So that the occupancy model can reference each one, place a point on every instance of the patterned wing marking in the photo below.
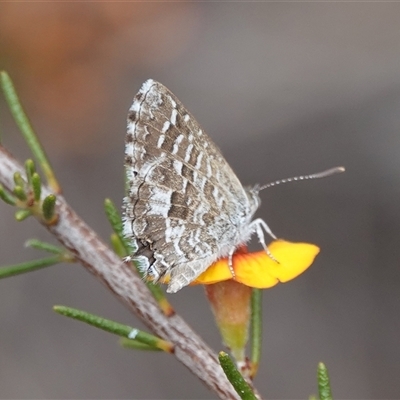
(177, 210)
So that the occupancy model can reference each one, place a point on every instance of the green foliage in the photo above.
(324, 385)
(21, 215)
(7, 197)
(50, 248)
(235, 377)
(115, 328)
(36, 183)
(48, 207)
(26, 129)
(29, 266)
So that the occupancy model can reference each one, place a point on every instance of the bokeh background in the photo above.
(283, 89)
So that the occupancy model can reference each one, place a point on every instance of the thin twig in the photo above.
(127, 286)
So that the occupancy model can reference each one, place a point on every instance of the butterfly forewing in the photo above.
(185, 204)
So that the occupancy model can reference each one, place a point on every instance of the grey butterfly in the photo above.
(185, 207)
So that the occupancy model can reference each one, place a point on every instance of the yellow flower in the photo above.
(258, 270)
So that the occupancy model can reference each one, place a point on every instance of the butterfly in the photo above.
(185, 208)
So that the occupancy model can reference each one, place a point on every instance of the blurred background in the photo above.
(283, 89)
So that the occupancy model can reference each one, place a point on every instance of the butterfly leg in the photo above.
(261, 222)
(257, 225)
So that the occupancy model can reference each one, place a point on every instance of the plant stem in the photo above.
(256, 330)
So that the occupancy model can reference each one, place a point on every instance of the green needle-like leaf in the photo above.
(30, 170)
(19, 180)
(115, 220)
(36, 183)
(117, 245)
(235, 377)
(256, 330)
(324, 386)
(39, 245)
(136, 345)
(48, 207)
(21, 215)
(6, 196)
(115, 328)
(29, 266)
(19, 193)
(26, 129)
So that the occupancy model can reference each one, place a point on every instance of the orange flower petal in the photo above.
(252, 269)
(217, 272)
(259, 270)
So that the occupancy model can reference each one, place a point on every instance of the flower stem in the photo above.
(256, 330)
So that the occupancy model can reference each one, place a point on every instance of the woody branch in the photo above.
(72, 232)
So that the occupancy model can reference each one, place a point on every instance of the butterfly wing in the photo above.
(184, 204)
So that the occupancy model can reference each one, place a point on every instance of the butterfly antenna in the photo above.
(323, 174)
